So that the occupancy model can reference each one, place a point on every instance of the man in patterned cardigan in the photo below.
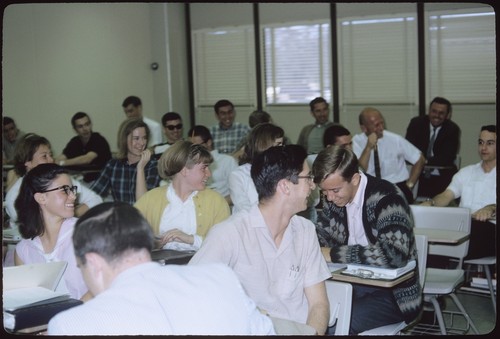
(366, 220)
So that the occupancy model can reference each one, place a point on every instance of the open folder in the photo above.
(374, 272)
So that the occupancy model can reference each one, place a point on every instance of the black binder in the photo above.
(28, 317)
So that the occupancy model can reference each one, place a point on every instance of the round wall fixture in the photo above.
(154, 66)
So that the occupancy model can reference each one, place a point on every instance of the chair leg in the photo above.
(490, 285)
(464, 313)
(439, 315)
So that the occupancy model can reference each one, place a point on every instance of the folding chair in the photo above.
(340, 298)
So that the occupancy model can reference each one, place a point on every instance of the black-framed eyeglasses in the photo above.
(310, 177)
(172, 127)
(67, 189)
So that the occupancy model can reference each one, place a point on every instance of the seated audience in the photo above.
(135, 296)
(436, 136)
(11, 135)
(274, 252)
(241, 187)
(476, 186)
(172, 128)
(46, 209)
(133, 172)
(132, 107)
(182, 212)
(87, 148)
(32, 151)
(221, 167)
(366, 220)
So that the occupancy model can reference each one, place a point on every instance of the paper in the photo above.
(30, 296)
(373, 272)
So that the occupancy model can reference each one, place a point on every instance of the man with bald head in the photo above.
(392, 150)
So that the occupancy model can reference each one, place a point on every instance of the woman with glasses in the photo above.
(46, 209)
(182, 212)
(241, 187)
(133, 172)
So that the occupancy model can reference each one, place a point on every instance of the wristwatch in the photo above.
(410, 184)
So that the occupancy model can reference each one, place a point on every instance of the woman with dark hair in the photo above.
(133, 172)
(241, 187)
(182, 212)
(46, 209)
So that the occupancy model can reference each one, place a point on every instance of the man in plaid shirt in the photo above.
(227, 134)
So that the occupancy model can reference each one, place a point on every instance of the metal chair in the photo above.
(485, 263)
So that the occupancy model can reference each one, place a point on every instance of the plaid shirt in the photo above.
(120, 177)
(227, 140)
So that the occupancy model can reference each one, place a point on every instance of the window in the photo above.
(297, 63)
(378, 59)
(224, 62)
(461, 55)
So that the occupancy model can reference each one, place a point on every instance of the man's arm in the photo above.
(443, 199)
(364, 157)
(319, 307)
(85, 159)
(415, 171)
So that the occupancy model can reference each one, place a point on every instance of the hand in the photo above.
(175, 235)
(427, 203)
(145, 156)
(484, 214)
(372, 140)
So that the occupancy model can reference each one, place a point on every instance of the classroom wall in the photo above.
(67, 57)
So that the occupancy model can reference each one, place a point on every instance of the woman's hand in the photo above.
(145, 156)
(175, 235)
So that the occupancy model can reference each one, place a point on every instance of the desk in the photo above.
(338, 276)
(444, 237)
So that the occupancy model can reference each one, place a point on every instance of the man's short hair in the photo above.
(274, 164)
(316, 101)
(169, 116)
(442, 101)
(8, 120)
(222, 103)
(489, 128)
(200, 131)
(332, 133)
(111, 229)
(131, 100)
(78, 116)
(333, 159)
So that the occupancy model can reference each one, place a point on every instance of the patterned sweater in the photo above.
(389, 229)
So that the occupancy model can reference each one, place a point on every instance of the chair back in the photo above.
(444, 218)
(340, 298)
(421, 242)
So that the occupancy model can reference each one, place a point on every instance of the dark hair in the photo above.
(170, 116)
(8, 120)
(30, 219)
(131, 100)
(182, 154)
(127, 127)
(489, 128)
(316, 101)
(258, 117)
(222, 103)
(274, 164)
(260, 138)
(200, 131)
(333, 159)
(332, 133)
(441, 101)
(77, 116)
(110, 229)
(25, 150)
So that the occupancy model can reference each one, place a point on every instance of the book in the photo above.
(28, 317)
(30, 296)
(484, 281)
(374, 272)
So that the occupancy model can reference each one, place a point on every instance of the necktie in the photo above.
(431, 143)
(377, 162)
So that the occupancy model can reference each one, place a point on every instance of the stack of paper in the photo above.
(483, 283)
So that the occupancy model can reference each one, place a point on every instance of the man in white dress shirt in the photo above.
(135, 296)
(393, 152)
(132, 106)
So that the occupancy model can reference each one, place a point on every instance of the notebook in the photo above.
(373, 272)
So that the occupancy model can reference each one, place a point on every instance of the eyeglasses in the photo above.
(172, 127)
(309, 177)
(67, 189)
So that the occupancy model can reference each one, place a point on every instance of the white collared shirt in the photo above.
(354, 210)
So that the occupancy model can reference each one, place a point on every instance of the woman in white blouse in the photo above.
(182, 212)
(241, 187)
